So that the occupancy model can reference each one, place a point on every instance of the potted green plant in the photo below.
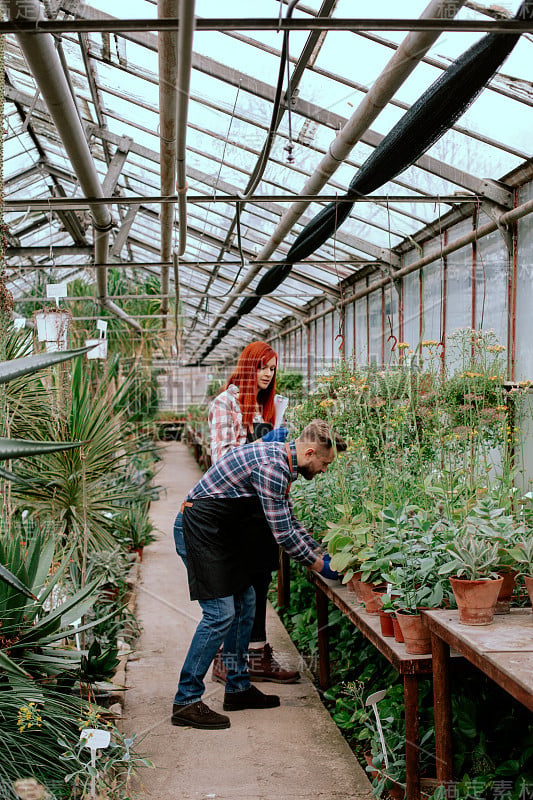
(475, 582)
(522, 558)
(489, 521)
(109, 567)
(136, 529)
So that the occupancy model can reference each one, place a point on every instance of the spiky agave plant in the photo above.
(17, 368)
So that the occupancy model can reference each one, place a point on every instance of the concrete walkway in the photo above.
(294, 752)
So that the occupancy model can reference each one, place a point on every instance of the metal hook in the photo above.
(341, 337)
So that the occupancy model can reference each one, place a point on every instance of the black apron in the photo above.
(228, 541)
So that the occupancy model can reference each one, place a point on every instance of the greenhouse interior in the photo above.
(237, 251)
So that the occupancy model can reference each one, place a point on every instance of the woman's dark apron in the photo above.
(228, 540)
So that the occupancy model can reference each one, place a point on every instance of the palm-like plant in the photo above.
(13, 371)
(37, 612)
(82, 491)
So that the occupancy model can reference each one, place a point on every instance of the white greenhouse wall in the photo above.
(481, 285)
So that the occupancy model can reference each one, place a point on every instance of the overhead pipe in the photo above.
(410, 52)
(186, 32)
(43, 61)
(175, 64)
(167, 45)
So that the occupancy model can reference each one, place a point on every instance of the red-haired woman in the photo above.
(245, 412)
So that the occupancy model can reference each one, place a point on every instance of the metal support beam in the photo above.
(266, 24)
(123, 232)
(116, 166)
(239, 79)
(507, 219)
(43, 60)
(357, 128)
(255, 176)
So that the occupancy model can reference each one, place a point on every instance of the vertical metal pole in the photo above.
(511, 342)
(474, 260)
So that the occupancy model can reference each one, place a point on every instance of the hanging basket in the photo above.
(52, 328)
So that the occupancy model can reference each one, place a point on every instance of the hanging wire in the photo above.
(342, 306)
(205, 298)
(260, 167)
(478, 253)
(289, 147)
(239, 245)
(390, 316)
(442, 297)
(51, 250)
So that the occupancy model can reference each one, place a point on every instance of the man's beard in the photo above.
(306, 473)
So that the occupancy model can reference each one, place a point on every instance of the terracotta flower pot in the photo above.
(354, 586)
(528, 580)
(356, 577)
(476, 600)
(398, 635)
(416, 636)
(365, 594)
(503, 603)
(139, 551)
(385, 621)
(395, 789)
(374, 772)
(373, 601)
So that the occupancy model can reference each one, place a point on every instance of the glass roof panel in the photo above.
(228, 120)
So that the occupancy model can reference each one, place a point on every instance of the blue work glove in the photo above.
(276, 435)
(326, 570)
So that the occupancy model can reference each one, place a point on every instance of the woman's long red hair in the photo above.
(254, 356)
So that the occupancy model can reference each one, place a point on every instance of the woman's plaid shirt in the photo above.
(225, 423)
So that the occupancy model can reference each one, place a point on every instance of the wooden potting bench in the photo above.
(411, 667)
(502, 650)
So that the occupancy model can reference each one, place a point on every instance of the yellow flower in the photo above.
(402, 345)
(28, 716)
(326, 403)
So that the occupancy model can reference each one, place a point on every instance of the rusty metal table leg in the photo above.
(284, 580)
(412, 757)
(323, 638)
(443, 709)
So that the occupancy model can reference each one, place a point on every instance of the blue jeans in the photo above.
(225, 620)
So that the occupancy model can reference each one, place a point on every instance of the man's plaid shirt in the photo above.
(261, 469)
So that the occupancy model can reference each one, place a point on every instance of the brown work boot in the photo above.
(198, 715)
(264, 667)
(220, 671)
(249, 698)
